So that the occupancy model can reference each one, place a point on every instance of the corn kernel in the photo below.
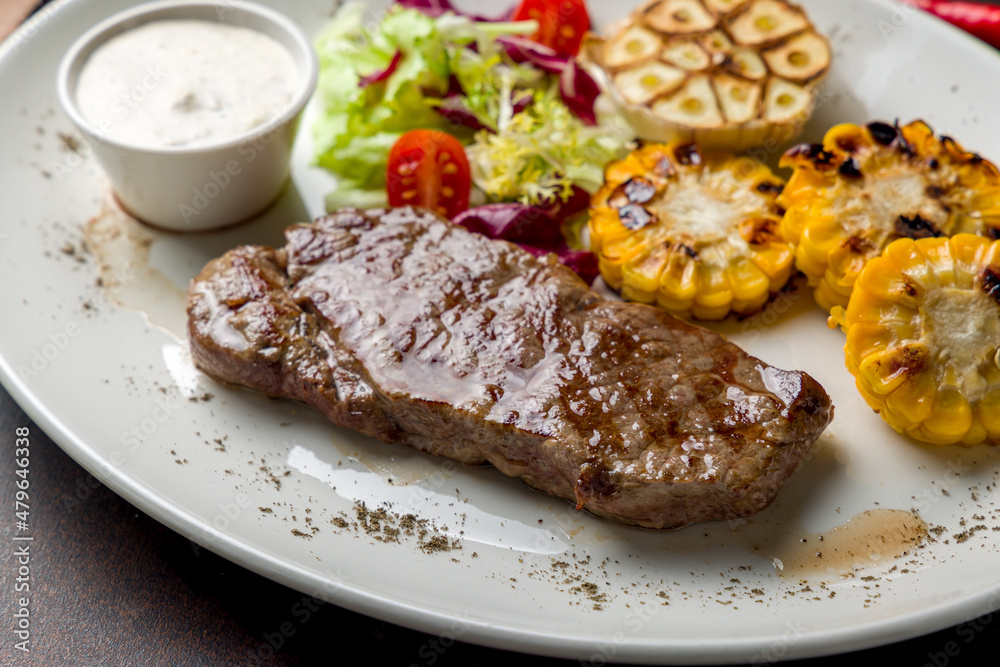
(951, 416)
(913, 401)
(686, 266)
(642, 273)
(884, 371)
(927, 362)
(747, 281)
(837, 232)
(715, 290)
(774, 260)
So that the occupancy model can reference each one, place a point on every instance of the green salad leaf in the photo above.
(359, 124)
(531, 153)
(539, 154)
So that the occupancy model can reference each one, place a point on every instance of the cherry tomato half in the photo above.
(562, 23)
(428, 168)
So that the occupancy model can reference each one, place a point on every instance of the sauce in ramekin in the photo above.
(185, 83)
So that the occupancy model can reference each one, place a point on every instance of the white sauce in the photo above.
(185, 83)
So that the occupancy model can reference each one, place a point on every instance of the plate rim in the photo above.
(816, 643)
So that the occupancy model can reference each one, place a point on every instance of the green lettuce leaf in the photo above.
(358, 126)
(535, 156)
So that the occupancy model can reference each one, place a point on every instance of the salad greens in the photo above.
(414, 70)
(539, 155)
(359, 123)
(535, 229)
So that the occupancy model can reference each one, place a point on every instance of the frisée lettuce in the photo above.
(538, 156)
(379, 81)
(471, 77)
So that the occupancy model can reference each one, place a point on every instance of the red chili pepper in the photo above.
(976, 18)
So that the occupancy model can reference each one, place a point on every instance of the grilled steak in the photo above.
(412, 330)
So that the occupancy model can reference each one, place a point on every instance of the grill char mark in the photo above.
(435, 337)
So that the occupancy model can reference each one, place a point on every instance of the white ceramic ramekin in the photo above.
(205, 187)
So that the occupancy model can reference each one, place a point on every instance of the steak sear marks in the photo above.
(412, 330)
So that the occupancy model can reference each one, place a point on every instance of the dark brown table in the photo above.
(112, 586)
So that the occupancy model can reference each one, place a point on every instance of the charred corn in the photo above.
(726, 74)
(923, 338)
(694, 233)
(866, 186)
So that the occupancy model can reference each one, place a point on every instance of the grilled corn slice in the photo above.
(727, 74)
(923, 338)
(695, 233)
(867, 186)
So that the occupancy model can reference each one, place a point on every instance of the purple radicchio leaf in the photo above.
(578, 89)
(524, 50)
(582, 262)
(381, 75)
(579, 92)
(454, 89)
(530, 227)
(577, 202)
(435, 8)
(513, 222)
(455, 112)
(521, 101)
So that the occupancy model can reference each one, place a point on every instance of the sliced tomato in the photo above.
(562, 23)
(429, 168)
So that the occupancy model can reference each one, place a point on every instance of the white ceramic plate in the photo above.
(251, 478)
